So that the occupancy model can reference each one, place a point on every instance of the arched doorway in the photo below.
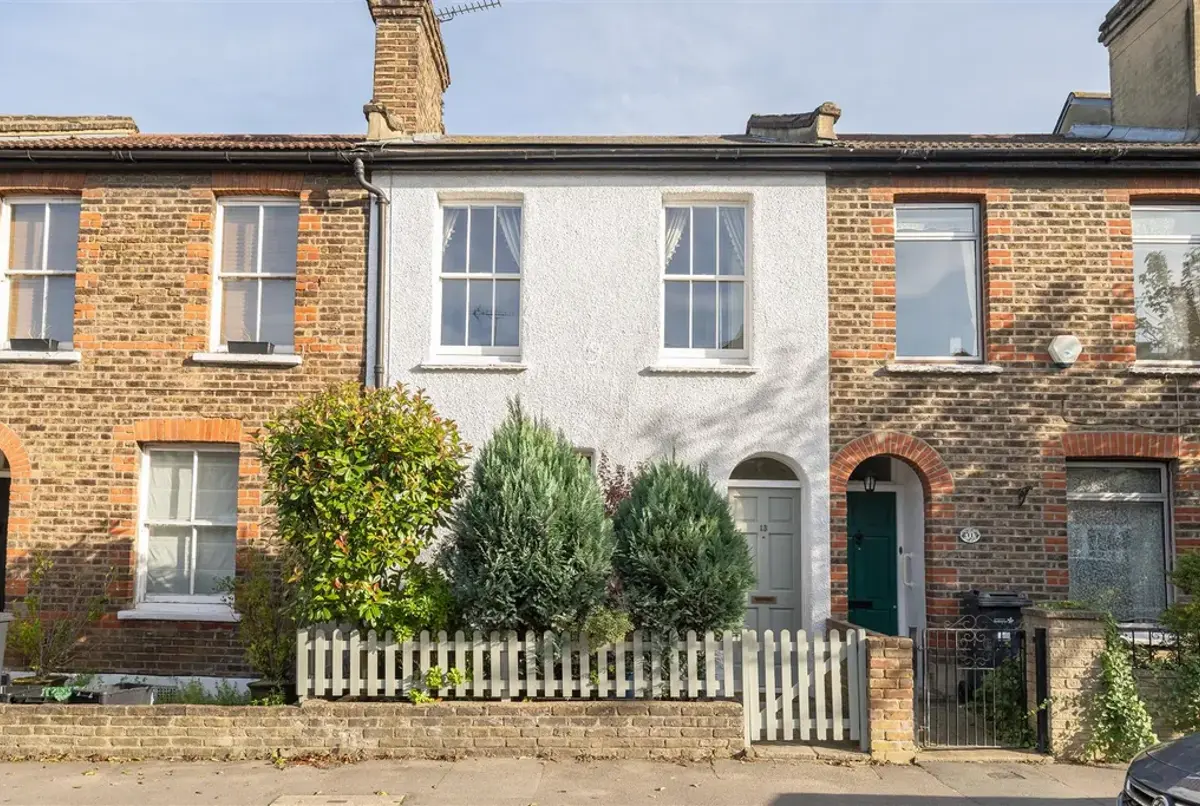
(885, 557)
(766, 497)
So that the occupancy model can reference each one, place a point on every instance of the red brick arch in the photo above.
(938, 484)
(19, 497)
(934, 474)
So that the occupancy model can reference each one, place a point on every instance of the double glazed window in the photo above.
(1117, 537)
(937, 282)
(481, 280)
(189, 523)
(704, 281)
(39, 242)
(1166, 282)
(256, 276)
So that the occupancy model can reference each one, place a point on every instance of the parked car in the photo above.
(1165, 775)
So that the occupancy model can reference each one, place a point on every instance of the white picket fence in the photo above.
(794, 688)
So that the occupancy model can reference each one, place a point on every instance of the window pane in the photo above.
(704, 240)
(170, 486)
(60, 309)
(1116, 557)
(733, 240)
(704, 315)
(454, 239)
(281, 234)
(479, 324)
(239, 311)
(216, 547)
(925, 220)
(25, 307)
(1181, 221)
(677, 320)
(216, 486)
(64, 237)
(167, 560)
(1166, 284)
(763, 469)
(508, 240)
(508, 313)
(936, 306)
(733, 312)
(454, 313)
(483, 227)
(239, 240)
(26, 236)
(1097, 480)
(679, 240)
(279, 313)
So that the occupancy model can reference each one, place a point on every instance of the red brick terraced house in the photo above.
(163, 296)
(1015, 349)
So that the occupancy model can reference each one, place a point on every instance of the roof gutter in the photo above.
(92, 158)
(383, 222)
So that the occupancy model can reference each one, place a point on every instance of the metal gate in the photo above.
(971, 689)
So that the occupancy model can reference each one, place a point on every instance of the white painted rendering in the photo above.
(590, 331)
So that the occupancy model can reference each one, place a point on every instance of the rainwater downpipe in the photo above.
(383, 222)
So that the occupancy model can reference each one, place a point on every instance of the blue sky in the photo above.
(561, 66)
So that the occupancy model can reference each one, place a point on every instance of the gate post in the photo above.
(890, 702)
(1074, 640)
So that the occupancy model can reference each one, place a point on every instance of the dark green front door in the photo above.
(871, 526)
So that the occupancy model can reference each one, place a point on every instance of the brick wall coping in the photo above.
(1055, 614)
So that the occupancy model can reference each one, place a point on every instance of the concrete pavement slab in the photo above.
(987, 783)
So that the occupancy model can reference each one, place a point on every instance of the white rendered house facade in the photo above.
(646, 316)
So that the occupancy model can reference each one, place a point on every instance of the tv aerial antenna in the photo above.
(447, 14)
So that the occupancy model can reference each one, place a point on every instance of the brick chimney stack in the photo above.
(411, 72)
(1154, 63)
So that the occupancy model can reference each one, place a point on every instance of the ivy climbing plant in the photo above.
(1120, 724)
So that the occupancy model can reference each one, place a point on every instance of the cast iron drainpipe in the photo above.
(383, 221)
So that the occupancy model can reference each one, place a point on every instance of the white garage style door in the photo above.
(765, 498)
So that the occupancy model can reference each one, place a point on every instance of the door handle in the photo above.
(906, 569)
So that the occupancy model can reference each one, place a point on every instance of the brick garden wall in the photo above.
(1057, 258)
(72, 432)
(675, 731)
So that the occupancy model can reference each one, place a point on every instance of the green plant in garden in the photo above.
(1000, 704)
(682, 563)
(360, 480)
(56, 611)
(607, 626)
(194, 693)
(531, 548)
(266, 629)
(1120, 725)
(1183, 619)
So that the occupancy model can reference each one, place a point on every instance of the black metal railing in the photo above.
(1149, 643)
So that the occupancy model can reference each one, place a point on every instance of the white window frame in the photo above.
(219, 275)
(977, 238)
(703, 356)
(467, 351)
(1165, 240)
(1163, 498)
(6, 205)
(144, 523)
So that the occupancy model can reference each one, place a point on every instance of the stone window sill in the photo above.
(1150, 368)
(152, 611)
(38, 357)
(672, 368)
(901, 368)
(249, 360)
(446, 365)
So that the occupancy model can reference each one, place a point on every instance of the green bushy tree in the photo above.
(1183, 619)
(681, 561)
(360, 480)
(531, 547)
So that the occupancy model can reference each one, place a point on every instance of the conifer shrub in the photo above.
(531, 548)
(681, 561)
